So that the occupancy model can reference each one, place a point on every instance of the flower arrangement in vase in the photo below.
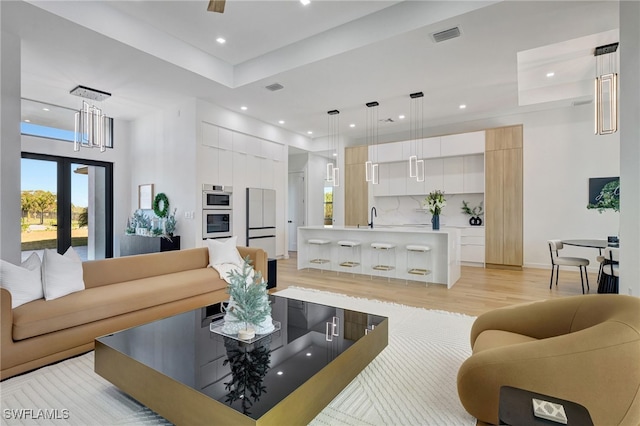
(474, 212)
(435, 202)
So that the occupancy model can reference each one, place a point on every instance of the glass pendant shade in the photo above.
(606, 104)
(333, 136)
(90, 128)
(606, 90)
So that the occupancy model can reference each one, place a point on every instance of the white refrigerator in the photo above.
(261, 219)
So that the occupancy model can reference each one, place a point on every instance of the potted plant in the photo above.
(435, 201)
(249, 311)
(474, 212)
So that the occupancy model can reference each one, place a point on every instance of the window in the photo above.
(328, 205)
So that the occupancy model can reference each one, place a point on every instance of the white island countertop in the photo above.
(443, 259)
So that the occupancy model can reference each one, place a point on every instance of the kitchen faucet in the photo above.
(373, 211)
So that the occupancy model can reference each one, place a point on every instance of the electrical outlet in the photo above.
(186, 215)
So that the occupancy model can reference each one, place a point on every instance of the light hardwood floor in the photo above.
(478, 290)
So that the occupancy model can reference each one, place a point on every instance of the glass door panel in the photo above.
(38, 202)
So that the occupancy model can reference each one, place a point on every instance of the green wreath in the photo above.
(161, 205)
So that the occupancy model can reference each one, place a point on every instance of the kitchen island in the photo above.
(443, 259)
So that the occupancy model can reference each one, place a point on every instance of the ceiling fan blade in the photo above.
(216, 6)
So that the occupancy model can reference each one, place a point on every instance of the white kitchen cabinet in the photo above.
(414, 187)
(462, 144)
(240, 142)
(253, 171)
(382, 188)
(209, 135)
(433, 175)
(473, 173)
(453, 179)
(389, 152)
(225, 167)
(431, 148)
(398, 175)
(472, 244)
(225, 139)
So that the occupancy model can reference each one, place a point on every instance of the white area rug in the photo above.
(412, 382)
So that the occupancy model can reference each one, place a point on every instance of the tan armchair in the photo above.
(584, 349)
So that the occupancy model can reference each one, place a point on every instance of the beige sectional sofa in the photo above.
(119, 293)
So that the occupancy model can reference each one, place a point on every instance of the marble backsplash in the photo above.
(406, 210)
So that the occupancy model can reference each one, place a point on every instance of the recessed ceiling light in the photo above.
(221, 40)
(27, 121)
(45, 109)
(463, 106)
(335, 154)
(244, 108)
(352, 125)
(280, 373)
(305, 2)
(401, 117)
(551, 74)
(281, 122)
(309, 132)
(308, 353)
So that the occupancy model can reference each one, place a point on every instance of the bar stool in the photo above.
(420, 256)
(387, 265)
(321, 256)
(349, 255)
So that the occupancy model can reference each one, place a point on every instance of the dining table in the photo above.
(600, 244)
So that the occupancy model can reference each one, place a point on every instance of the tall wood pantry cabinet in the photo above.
(356, 187)
(503, 198)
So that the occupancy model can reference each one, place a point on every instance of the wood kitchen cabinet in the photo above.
(356, 195)
(503, 197)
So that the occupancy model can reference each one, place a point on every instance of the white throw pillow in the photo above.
(221, 252)
(24, 282)
(61, 275)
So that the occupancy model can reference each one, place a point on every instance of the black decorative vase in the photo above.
(475, 221)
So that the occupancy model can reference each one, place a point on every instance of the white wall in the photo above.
(630, 147)
(163, 152)
(9, 147)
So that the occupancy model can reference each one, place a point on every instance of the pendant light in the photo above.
(371, 166)
(606, 90)
(333, 132)
(416, 167)
(91, 124)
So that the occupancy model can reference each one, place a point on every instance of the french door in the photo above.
(67, 202)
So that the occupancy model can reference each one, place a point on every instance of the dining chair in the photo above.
(556, 261)
(610, 269)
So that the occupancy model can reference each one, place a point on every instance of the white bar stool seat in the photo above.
(418, 259)
(349, 255)
(321, 257)
(387, 265)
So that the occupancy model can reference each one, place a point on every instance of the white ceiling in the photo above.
(327, 55)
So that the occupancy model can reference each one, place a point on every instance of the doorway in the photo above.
(66, 202)
(296, 207)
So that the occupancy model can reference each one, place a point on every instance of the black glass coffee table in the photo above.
(186, 373)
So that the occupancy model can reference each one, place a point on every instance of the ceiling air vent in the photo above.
(275, 86)
(446, 34)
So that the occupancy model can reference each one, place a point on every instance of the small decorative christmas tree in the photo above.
(249, 311)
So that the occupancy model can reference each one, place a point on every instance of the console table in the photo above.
(138, 244)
